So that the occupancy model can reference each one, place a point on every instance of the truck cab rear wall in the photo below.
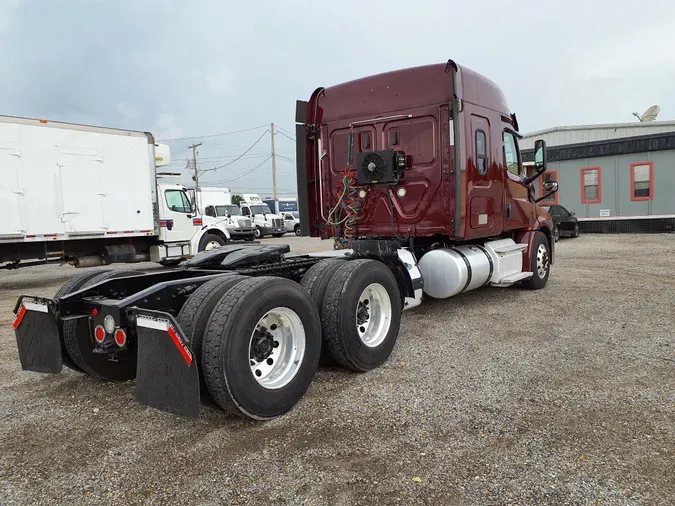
(435, 115)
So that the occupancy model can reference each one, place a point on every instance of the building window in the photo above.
(549, 175)
(481, 153)
(511, 157)
(642, 181)
(591, 185)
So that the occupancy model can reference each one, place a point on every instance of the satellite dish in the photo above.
(649, 115)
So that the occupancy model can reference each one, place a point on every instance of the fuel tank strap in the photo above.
(492, 265)
(468, 269)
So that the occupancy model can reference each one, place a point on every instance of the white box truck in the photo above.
(89, 195)
(265, 221)
(217, 203)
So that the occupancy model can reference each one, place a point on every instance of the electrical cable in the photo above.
(212, 135)
(240, 156)
(244, 174)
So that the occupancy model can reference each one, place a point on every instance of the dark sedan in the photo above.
(565, 222)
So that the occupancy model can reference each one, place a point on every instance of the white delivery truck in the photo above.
(264, 220)
(217, 203)
(89, 195)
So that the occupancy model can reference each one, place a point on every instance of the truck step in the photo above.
(508, 248)
(509, 280)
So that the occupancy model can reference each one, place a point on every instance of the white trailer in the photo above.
(89, 195)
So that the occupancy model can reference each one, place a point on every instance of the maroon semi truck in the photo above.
(417, 178)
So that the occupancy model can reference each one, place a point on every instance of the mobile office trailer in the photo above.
(89, 195)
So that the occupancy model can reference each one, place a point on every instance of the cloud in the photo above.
(191, 68)
(165, 127)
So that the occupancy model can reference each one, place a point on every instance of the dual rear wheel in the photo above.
(258, 340)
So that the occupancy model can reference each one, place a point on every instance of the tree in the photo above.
(237, 199)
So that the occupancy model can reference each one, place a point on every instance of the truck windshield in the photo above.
(258, 209)
(225, 210)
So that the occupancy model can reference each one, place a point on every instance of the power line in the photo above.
(240, 156)
(213, 135)
(285, 158)
(287, 131)
(244, 174)
(285, 135)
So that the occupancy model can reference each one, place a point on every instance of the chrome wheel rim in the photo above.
(276, 348)
(212, 245)
(542, 261)
(257, 232)
(373, 315)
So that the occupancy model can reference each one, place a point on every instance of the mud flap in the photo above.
(166, 376)
(37, 336)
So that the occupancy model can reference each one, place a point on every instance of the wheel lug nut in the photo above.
(273, 327)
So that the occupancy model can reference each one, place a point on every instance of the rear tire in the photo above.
(80, 346)
(195, 313)
(237, 340)
(315, 281)
(250, 237)
(365, 342)
(540, 262)
(72, 286)
(575, 233)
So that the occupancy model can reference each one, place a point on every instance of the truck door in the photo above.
(81, 192)
(10, 193)
(518, 210)
(176, 218)
(485, 181)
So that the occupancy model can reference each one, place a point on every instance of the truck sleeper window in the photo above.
(178, 201)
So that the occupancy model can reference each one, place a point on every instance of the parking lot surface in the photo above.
(498, 396)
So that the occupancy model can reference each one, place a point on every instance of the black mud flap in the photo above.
(166, 376)
(37, 335)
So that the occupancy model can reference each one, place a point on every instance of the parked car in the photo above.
(565, 222)
(292, 222)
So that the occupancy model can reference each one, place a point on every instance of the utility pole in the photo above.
(274, 166)
(194, 163)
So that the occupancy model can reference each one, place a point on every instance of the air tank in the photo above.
(449, 271)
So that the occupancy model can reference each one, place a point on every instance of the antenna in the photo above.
(649, 115)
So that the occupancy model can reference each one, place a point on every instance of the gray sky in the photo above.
(179, 68)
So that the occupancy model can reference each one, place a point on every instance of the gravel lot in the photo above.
(499, 396)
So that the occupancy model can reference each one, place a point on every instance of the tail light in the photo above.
(120, 337)
(99, 334)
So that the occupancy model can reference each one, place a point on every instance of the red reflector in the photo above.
(197, 222)
(99, 334)
(19, 316)
(120, 337)
(179, 345)
(94, 312)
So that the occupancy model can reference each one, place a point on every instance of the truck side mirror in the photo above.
(549, 188)
(540, 156)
